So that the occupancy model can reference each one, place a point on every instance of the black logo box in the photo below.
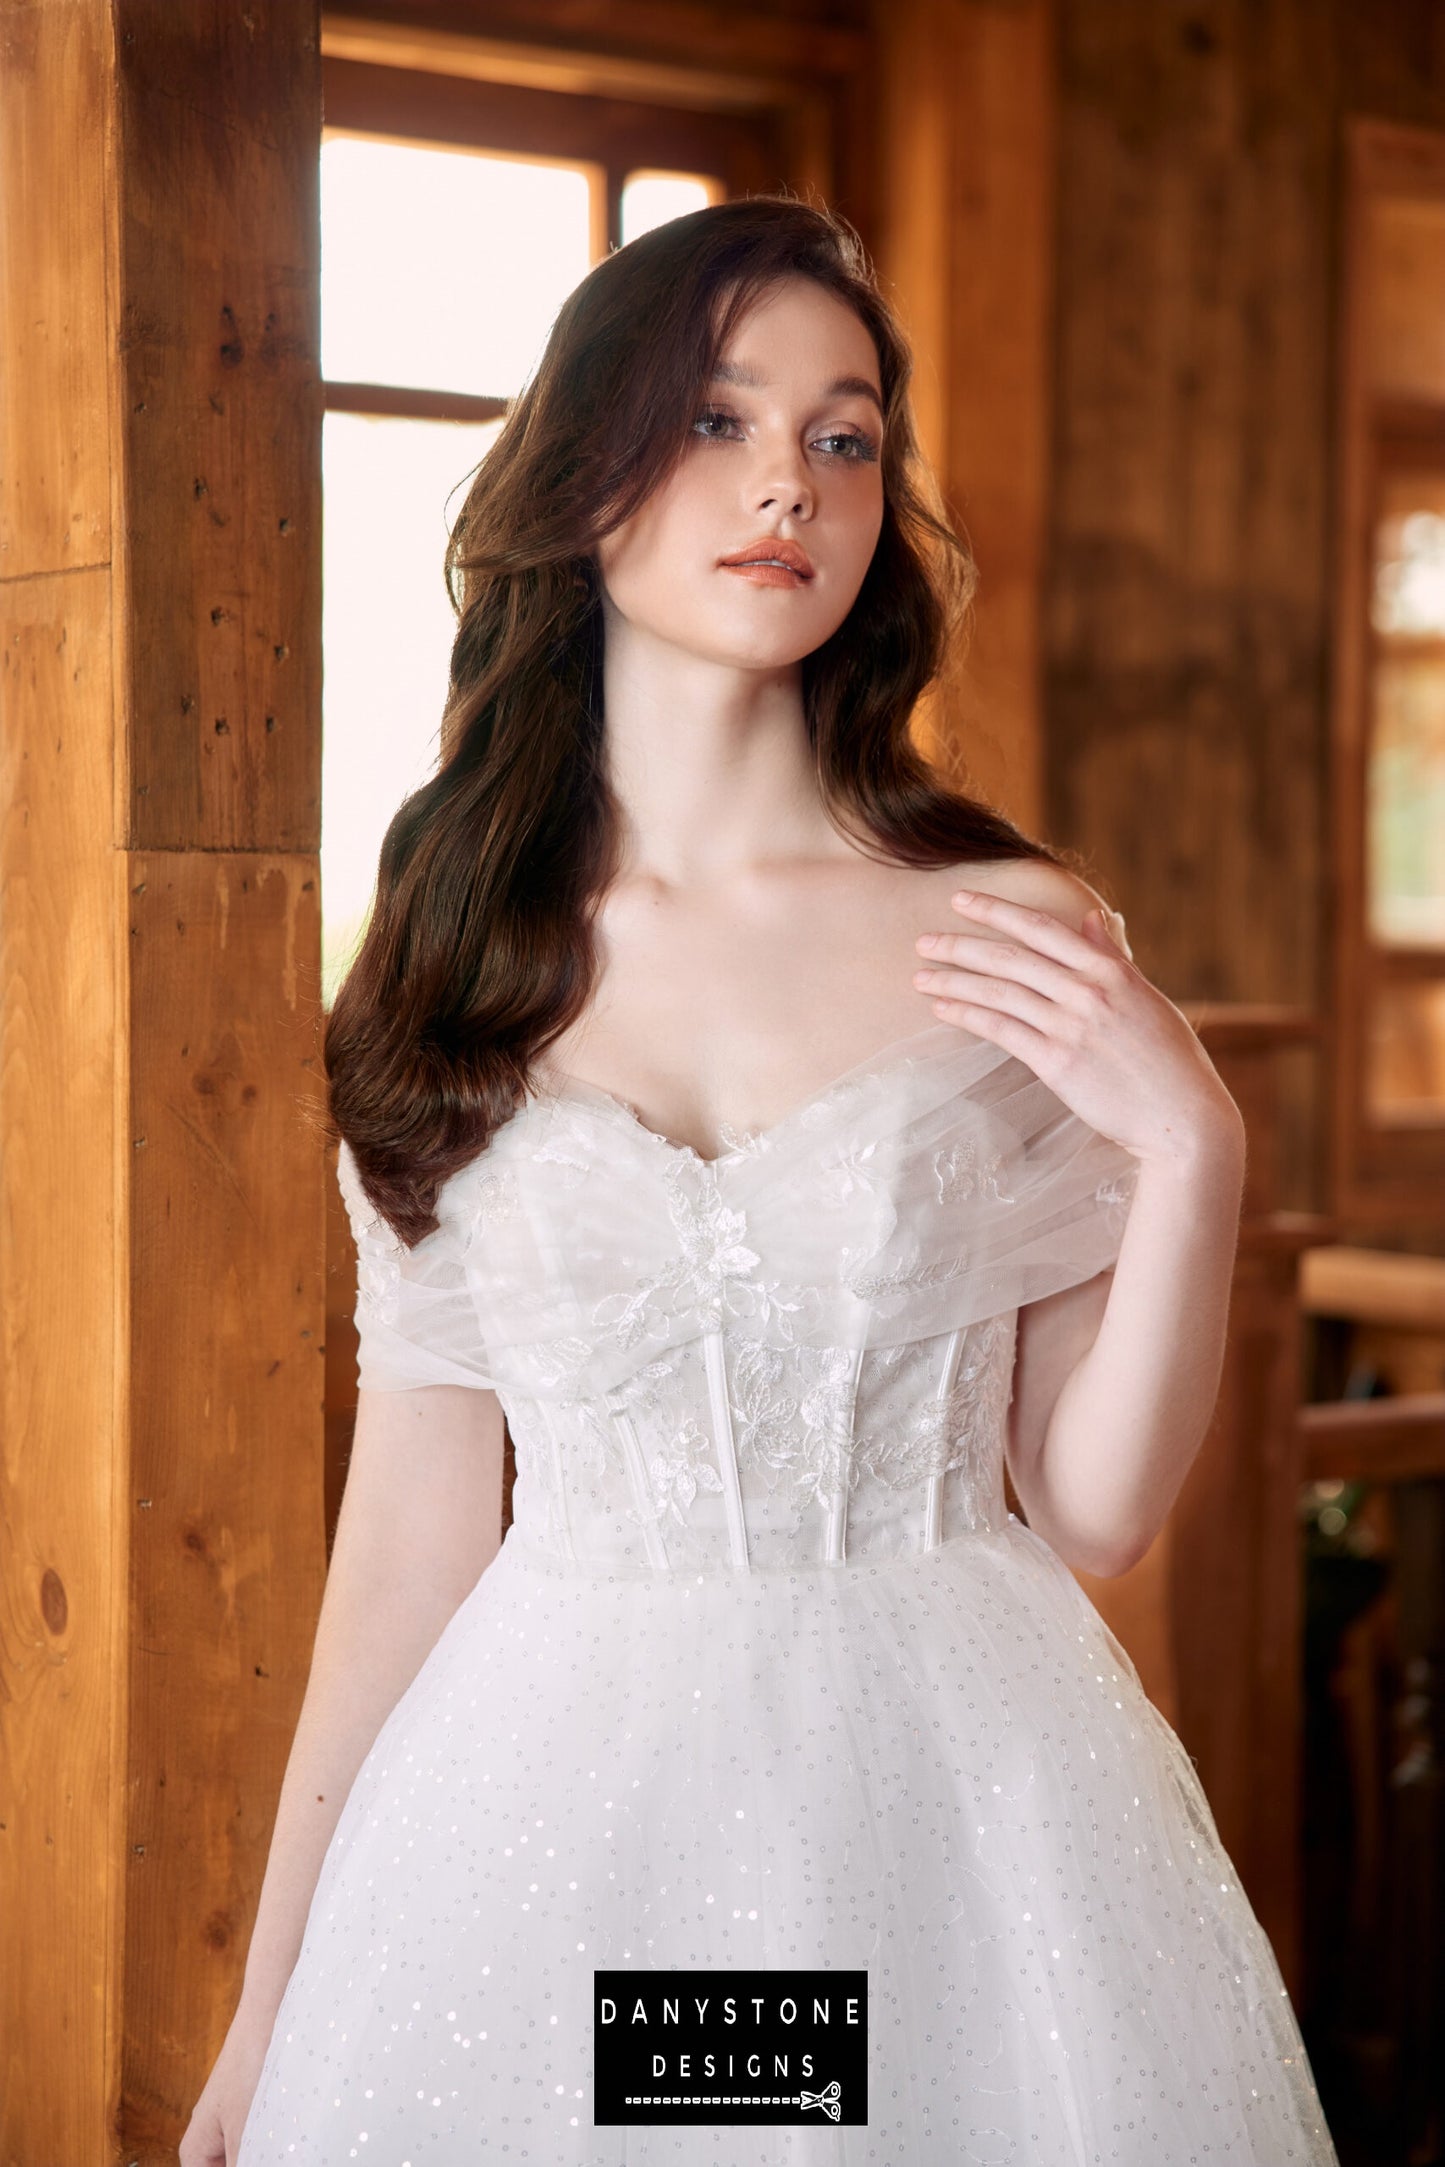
(750, 2047)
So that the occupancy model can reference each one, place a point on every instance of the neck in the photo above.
(709, 761)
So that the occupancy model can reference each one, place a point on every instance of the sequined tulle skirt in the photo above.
(940, 1770)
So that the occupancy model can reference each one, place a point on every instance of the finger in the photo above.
(1063, 983)
(1039, 928)
(1015, 1037)
(1003, 995)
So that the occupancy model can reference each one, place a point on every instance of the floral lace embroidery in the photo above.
(497, 1197)
(827, 1467)
(958, 1432)
(963, 1169)
(712, 1251)
(715, 1276)
(379, 1251)
(907, 1278)
(686, 1466)
(766, 1433)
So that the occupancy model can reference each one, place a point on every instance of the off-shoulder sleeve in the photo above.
(1003, 1197)
(1068, 1192)
(416, 1317)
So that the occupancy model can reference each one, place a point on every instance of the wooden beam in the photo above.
(403, 400)
(965, 194)
(1383, 1440)
(1374, 1286)
(654, 49)
(404, 104)
(162, 1197)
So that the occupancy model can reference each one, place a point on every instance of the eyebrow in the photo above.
(737, 372)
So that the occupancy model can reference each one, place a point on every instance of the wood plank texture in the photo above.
(1186, 611)
(225, 1500)
(964, 185)
(218, 402)
(56, 234)
(161, 1187)
(64, 1601)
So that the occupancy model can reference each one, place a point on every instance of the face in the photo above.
(785, 448)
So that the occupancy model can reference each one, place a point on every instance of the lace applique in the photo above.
(574, 1160)
(963, 1169)
(592, 1440)
(712, 1254)
(714, 1276)
(684, 1467)
(829, 1467)
(496, 1193)
(846, 1174)
(906, 1278)
(766, 1431)
(959, 1432)
(736, 1141)
(562, 1368)
(380, 1251)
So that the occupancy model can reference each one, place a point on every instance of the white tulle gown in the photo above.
(765, 1674)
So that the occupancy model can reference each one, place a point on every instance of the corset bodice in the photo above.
(795, 1355)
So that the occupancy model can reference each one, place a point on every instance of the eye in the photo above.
(858, 448)
(861, 448)
(711, 414)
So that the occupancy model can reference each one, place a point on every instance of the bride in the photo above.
(682, 904)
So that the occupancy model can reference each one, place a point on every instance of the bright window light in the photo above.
(443, 269)
(649, 199)
(391, 491)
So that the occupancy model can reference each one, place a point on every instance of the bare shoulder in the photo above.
(1035, 883)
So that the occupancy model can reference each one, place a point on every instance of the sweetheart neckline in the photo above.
(558, 1087)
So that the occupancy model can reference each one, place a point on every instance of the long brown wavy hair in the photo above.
(479, 950)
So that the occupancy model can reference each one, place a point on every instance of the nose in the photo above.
(785, 484)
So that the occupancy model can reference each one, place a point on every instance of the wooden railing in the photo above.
(1399, 1441)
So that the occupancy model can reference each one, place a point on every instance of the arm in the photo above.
(1116, 1378)
(420, 1521)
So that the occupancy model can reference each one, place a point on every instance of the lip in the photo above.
(788, 555)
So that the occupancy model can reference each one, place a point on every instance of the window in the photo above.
(1389, 752)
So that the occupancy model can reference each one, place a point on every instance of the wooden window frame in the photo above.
(497, 79)
(1385, 1176)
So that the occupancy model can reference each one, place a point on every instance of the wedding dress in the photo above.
(765, 1674)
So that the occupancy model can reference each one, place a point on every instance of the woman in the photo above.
(780, 1139)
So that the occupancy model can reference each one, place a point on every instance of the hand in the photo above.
(213, 2135)
(1082, 1015)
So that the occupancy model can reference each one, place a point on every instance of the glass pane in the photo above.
(1406, 1054)
(650, 198)
(1407, 801)
(1409, 588)
(443, 269)
(387, 627)
(1406, 771)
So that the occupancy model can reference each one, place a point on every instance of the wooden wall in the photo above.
(1187, 604)
(160, 1193)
